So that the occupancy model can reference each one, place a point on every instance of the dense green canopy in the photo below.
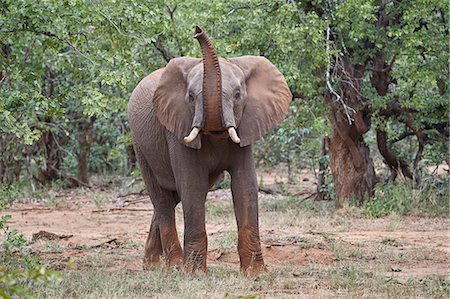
(68, 67)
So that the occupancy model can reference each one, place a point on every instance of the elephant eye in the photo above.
(237, 96)
(191, 98)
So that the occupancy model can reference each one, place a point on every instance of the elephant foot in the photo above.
(151, 261)
(173, 258)
(195, 262)
(250, 255)
(255, 268)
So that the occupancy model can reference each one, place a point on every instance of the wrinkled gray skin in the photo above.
(176, 171)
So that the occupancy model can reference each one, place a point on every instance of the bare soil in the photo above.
(79, 226)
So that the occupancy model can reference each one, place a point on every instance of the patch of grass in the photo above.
(157, 283)
(214, 210)
(99, 199)
(296, 203)
(350, 277)
(51, 197)
(404, 198)
(53, 247)
(224, 241)
(436, 286)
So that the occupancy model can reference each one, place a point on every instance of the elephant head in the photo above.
(216, 97)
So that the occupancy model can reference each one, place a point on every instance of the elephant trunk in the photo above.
(212, 84)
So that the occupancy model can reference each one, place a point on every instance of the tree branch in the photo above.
(236, 8)
(163, 51)
(349, 111)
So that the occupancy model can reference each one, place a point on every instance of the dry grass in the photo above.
(312, 251)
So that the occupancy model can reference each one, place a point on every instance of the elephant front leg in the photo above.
(245, 199)
(195, 240)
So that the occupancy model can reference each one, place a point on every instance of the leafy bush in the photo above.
(19, 270)
(403, 197)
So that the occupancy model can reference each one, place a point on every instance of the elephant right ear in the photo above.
(169, 99)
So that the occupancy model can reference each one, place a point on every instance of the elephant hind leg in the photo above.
(162, 241)
(153, 247)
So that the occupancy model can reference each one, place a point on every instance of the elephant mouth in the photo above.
(230, 132)
(218, 134)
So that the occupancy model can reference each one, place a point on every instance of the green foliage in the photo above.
(16, 283)
(67, 69)
(404, 198)
(19, 269)
(9, 192)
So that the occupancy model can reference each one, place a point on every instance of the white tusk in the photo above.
(233, 135)
(192, 135)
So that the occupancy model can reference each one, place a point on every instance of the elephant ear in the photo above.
(169, 101)
(268, 98)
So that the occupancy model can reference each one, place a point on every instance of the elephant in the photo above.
(191, 121)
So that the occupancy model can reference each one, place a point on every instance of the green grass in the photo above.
(344, 280)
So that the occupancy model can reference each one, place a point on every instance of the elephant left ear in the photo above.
(268, 98)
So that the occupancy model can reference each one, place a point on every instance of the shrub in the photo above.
(19, 269)
(404, 197)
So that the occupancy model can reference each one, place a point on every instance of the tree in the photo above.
(357, 69)
(65, 66)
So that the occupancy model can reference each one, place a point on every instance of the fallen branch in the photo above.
(121, 209)
(30, 209)
(133, 202)
(266, 190)
(109, 242)
(49, 236)
(141, 193)
(72, 179)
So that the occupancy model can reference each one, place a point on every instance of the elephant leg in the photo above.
(191, 177)
(245, 199)
(195, 240)
(162, 241)
(153, 248)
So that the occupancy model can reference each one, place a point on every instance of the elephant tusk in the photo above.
(192, 135)
(233, 135)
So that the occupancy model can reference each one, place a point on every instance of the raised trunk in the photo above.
(212, 83)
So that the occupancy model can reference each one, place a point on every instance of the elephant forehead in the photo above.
(232, 76)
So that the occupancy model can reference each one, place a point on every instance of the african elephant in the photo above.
(181, 118)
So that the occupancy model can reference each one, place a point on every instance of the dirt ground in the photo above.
(76, 224)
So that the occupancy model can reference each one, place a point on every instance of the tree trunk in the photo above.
(390, 159)
(131, 158)
(11, 159)
(49, 146)
(322, 168)
(84, 140)
(2, 160)
(351, 166)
